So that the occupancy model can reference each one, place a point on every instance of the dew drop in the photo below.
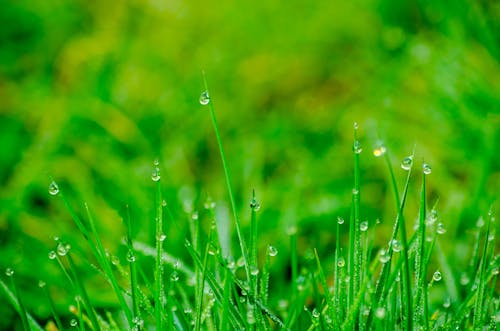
(241, 262)
(52, 255)
(363, 226)
(380, 313)
(407, 163)
(355, 125)
(384, 256)
(379, 151)
(254, 204)
(355, 191)
(164, 203)
(41, 284)
(440, 229)
(231, 264)
(315, 313)
(341, 262)
(426, 168)
(495, 271)
(447, 303)
(272, 251)
(209, 204)
(464, 279)
(174, 276)
(437, 276)
(161, 237)
(204, 98)
(130, 256)
(340, 220)
(53, 188)
(155, 175)
(480, 222)
(73, 322)
(9, 272)
(356, 147)
(62, 249)
(195, 216)
(254, 271)
(396, 246)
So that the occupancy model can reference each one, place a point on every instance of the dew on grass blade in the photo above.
(41, 284)
(9, 272)
(363, 226)
(440, 229)
(155, 175)
(161, 237)
(437, 276)
(52, 255)
(356, 147)
(355, 125)
(195, 216)
(355, 191)
(340, 220)
(315, 313)
(407, 163)
(204, 98)
(254, 204)
(53, 188)
(174, 276)
(379, 151)
(383, 256)
(341, 262)
(426, 168)
(130, 256)
(62, 249)
(380, 313)
(254, 271)
(272, 251)
(396, 246)
(73, 322)
(464, 279)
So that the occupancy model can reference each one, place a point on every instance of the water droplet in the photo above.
(73, 322)
(62, 249)
(164, 203)
(495, 271)
(291, 230)
(195, 216)
(41, 284)
(130, 256)
(254, 271)
(355, 125)
(204, 98)
(254, 204)
(464, 279)
(341, 262)
(440, 229)
(396, 246)
(241, 262)
(243, 299)
(155, 175)
(174, 276)
(355, 191)
(340, 220)
(53, 188)
(231, 264)
(272, 251)
(9, 272)
(379, 151)
(437, 276)
(209, 204)
(380, 312)
(426, 168)
(407, 163)
(384, 257)
(480, 222)
(212, 250)
(363, 226)
(447, 303)
(161, 237)
(52, 255)
(491, 237)
(356, 147)
(315, 313)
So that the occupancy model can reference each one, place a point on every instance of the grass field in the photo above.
(92, 94)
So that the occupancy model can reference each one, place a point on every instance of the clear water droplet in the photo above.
(73, 322)
(380, 313)
(53, 188)
(254, 204)
(495, 271)
(130, 256)
(174, 276)
(447, 302)
(155, 175)
(480, 222)
(407, 163)
(355, 191)
(195, 216)
(396, 246)
(52, 255)
(272, 251)
(241, 262)
(62, 249)
(426, 168)
(340, 220)
(9, 272)
(161, 237)
(164, 203)
(363, 226)
(315, 313)
(341, 262)
(204, 98)
(464, 279)
(355, 125)
(356, 147)
(231, 264)
(437, 276)
(254, 271)
(383, 257)
(440, 229)
(41, 284)
(209, 204)
(379, 151)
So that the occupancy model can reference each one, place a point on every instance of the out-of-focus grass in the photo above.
(91, 93)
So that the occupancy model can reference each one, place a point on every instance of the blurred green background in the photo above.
(92, 92)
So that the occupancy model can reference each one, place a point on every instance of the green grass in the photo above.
(364, 284)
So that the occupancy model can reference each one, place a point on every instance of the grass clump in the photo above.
(368, 286)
